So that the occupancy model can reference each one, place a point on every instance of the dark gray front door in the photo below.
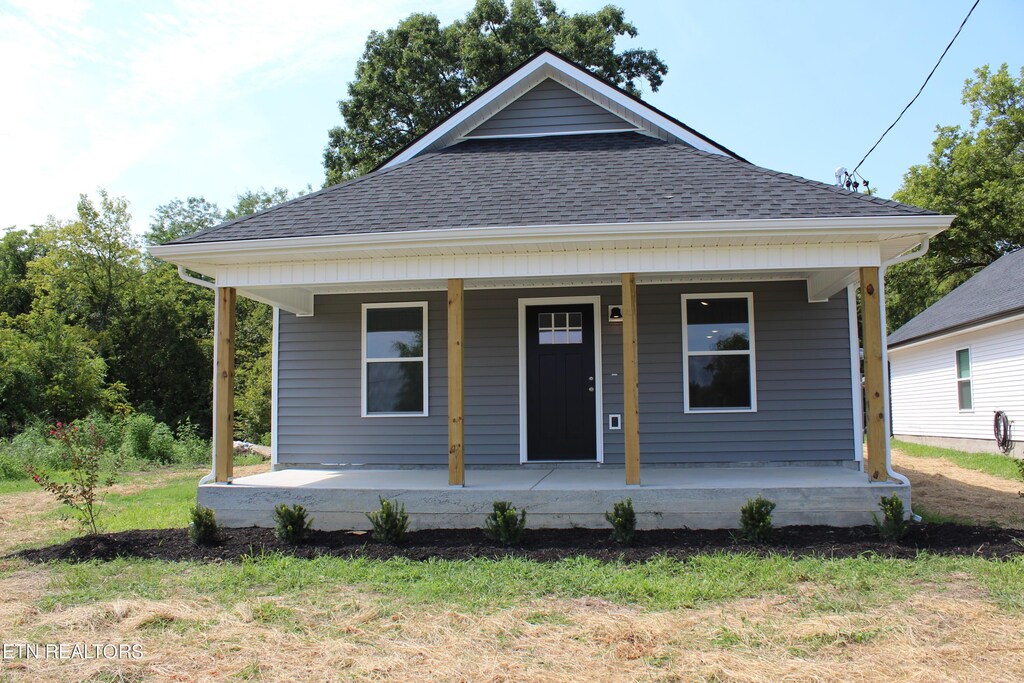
(560, 386)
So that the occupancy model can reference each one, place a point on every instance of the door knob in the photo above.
(591, 389)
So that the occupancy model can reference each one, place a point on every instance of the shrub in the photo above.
(756, 520)
(623, 521)
(80, 451)
(506, 524)
(146, 439)
(10, 467)
(202, 527)
(190, 448)
(389, 523)
(893, 525)
(292, 523)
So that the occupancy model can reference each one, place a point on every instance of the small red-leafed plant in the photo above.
(80, 453)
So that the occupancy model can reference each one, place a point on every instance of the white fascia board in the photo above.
(193, 255)
(545, 64)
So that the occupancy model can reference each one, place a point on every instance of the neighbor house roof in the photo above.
(557, 180)
(995, 292)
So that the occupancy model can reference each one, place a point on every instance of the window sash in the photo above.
(749, 352)
(367, 361)
(964, 385)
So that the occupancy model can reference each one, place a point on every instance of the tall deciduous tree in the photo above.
(976, 174)
(412, 76)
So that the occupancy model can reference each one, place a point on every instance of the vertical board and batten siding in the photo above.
(924, 391)
(549, 108)
(804, 389)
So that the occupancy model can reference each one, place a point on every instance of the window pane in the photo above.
(394, 332)
(964, 391)
(717, 325)
(719, 381)
(575, 320)
(394, 387)
(963, 364)
(575, 336)
(545, 321)
(547, 337)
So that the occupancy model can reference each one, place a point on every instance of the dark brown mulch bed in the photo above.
(540, 544)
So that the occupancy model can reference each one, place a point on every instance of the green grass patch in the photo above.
(837, 586)
(991, 463)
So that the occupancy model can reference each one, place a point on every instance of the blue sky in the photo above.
(162, 99)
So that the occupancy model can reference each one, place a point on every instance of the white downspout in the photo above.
(902, 258)
(216, 314)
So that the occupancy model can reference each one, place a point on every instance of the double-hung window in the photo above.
(394, 342)
(718, 353)
(964, 393)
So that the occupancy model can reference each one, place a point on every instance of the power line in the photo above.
(920, 90)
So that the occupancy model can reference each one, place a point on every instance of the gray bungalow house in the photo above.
(561, 296)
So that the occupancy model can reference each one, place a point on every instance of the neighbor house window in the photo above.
(395, 359)
(718, 353)
(965, 397)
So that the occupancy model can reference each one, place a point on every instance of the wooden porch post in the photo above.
(630, 380)
(456, 396)
(224, 385)
(874, 382)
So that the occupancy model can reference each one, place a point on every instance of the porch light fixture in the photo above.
(615, 314)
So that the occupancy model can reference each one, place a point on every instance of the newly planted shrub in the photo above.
(756, 520)
(506, 524)
(291, 523)
(202, 527)
(893, 525)
(623, 521)
(79, 453)
(389, 522)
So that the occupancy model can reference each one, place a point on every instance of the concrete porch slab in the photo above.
(669, 497)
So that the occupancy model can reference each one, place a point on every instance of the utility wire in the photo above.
(921, 89)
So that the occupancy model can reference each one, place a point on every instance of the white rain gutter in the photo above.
(213, 287)
(902, 258)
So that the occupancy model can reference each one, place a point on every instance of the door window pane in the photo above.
(719, 381)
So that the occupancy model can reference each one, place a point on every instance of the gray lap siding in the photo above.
(804, 401)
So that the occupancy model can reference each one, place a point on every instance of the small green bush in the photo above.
(146, 439)
(756, 520)
(623, 521)
(893, 525)
(292, 523)
(389, 522)
(189, 447)
(10, 467)
(506, 524)
(202, 527)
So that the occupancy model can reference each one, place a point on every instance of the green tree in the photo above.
(179, 218)
(412, 76)
(249, 202)
(976, 174)
(18, 248)
(90, 264)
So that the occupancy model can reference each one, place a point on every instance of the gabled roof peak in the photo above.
(544, 65)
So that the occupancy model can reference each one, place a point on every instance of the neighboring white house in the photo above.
(961, 360)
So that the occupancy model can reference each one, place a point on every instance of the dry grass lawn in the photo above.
(947, 633)
(942, 487)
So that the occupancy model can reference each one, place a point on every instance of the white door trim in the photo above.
(595, 301)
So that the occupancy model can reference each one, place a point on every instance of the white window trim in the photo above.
(749, 296)
(364, 361)
(969, 379)
(594, 301)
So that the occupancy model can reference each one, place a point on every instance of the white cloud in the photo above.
(93, 91)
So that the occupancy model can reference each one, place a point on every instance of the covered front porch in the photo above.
(703, 497)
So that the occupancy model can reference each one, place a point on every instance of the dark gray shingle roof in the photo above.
(995, 292)
(559, 180)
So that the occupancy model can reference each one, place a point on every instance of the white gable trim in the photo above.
(548, 65)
